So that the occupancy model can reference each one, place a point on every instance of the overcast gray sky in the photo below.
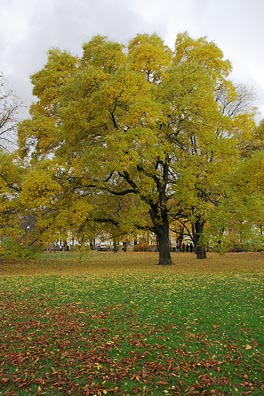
(29, 28)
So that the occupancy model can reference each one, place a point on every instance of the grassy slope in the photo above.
(119, 324)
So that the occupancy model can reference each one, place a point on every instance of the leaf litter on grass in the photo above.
(135, 334)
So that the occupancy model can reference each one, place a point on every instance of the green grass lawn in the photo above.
(117, 324)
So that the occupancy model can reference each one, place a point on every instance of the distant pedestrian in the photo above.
(191, 247)
(183, 246)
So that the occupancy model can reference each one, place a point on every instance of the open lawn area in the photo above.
(118, 324)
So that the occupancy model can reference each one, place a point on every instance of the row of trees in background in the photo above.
(128, 139)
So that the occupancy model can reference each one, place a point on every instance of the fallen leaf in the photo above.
(248, 347)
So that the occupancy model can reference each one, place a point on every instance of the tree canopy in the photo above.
(134, 137)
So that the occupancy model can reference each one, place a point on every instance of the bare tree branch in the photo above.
(9, 105)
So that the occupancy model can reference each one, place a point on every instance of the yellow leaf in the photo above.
(248, 347)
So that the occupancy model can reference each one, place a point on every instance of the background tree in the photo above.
(237, 221)
(11, 232)
(9, 105)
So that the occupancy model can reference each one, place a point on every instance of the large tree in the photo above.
(136, 131)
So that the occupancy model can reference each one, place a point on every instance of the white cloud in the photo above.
(29, 28)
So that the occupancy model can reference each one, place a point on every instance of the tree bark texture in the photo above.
(162, 232)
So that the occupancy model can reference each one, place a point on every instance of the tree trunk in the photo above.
(201, 252)
(162, 232)
(115, 247)
(199, 247)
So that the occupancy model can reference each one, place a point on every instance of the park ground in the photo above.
(118, 324)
